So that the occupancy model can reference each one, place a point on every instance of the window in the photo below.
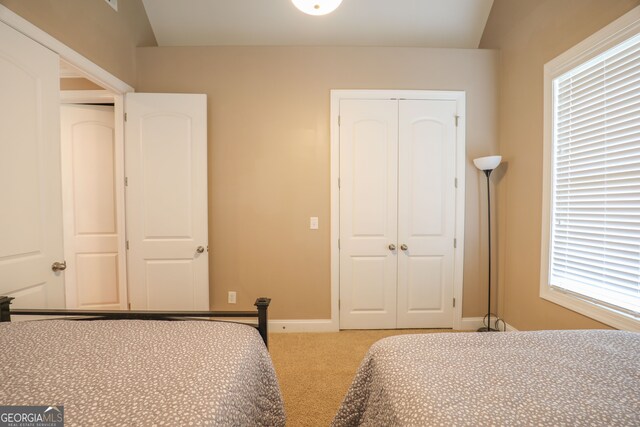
(592, 172)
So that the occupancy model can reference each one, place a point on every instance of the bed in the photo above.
(550, 378)
(143, 368)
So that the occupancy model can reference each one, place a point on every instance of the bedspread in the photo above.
(141, 372)
(555, 378)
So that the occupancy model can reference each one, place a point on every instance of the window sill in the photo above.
(591, 309)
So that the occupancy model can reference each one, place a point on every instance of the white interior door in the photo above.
(368, 213)
(166, 198)
(426, 213)
(30, 210)
(94, 276)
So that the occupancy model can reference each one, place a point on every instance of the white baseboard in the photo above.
(474, 323)
(510, 328)
(304, 325)
(470, 324)
(326, 325)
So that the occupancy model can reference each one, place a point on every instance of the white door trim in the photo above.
(86, 97)
(336, 96)
(102, 77)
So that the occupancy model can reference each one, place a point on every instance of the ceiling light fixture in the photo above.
(316, 7)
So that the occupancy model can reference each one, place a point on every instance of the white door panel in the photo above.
(98, 281)
(94, 276)
(368, 175)
(166, 168)
(426, 213)
(31, 211)
(166, 146)
(165, 285)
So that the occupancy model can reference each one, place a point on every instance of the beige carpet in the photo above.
(315, 370)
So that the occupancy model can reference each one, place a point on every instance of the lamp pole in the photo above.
(487, 172)
(487, 165)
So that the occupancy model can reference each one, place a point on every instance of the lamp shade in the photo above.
(487, 163)
(317, 7)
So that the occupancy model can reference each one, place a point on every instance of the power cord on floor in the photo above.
(495, 323)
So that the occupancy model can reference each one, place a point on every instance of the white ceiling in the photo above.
(423, 23)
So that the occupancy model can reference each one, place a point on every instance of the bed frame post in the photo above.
(263, 304)
(5, 310)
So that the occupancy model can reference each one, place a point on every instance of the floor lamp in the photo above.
(487, 165)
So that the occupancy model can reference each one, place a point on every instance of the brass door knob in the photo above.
(404, 247)
(200, 249)
(392, 247)
(59, 266)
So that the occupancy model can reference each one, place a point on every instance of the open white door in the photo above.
(166, 201)
(92, 229)
(31, 207)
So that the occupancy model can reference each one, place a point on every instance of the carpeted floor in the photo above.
(316, 369)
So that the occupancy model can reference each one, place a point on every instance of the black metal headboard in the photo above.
(262, 305)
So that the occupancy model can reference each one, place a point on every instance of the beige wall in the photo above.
(530, 33)
(93, 29)
(78, 84)
(269, 156)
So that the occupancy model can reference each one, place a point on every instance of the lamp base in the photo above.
(485, 329)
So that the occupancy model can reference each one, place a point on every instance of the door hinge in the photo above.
(457, 117)
(125, 117)
(454, 302)
(127, 244)
(338, 120)
(338, 182)
(338, 243)
(455, 243)
(126, 181)
(129, 306)
(455, 182)
(338, 304)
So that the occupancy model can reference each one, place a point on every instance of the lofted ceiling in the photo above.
(415, 23)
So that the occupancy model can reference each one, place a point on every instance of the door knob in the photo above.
(392, 247)
(404, 247)
(59, 266)
(200, 249)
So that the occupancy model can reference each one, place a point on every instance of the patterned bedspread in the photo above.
(550, 378)
(143, 373)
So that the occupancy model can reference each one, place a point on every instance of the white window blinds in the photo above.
(595, 227)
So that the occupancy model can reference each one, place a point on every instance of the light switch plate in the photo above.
(313, 223)
(231, 299)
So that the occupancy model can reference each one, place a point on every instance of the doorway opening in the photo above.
(92, 169)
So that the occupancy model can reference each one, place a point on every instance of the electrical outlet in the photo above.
(231, 299)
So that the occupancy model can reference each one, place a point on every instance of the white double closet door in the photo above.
(397, 213)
